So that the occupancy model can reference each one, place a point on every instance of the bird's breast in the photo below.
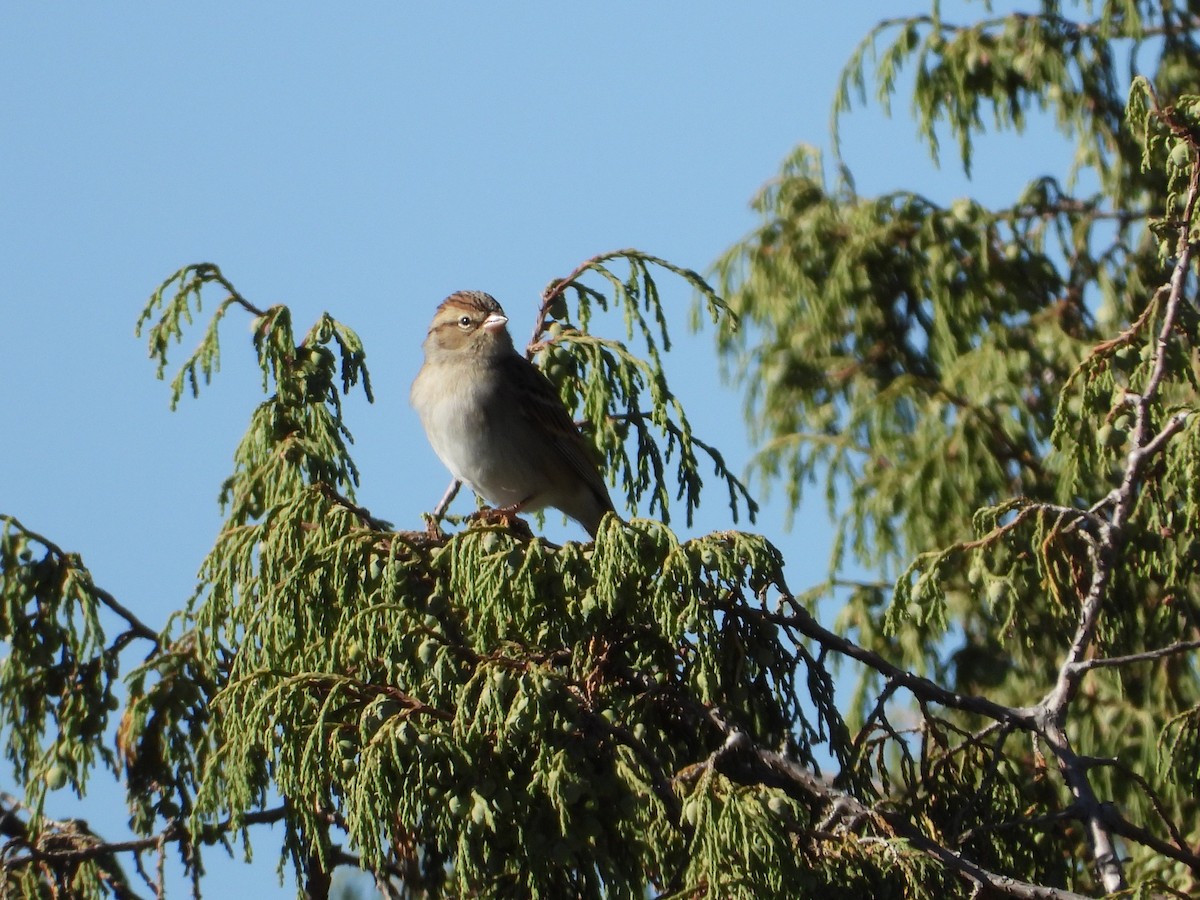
(465, 423)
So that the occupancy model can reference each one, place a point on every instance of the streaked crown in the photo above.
(469, 320)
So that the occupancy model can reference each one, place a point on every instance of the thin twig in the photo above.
(1101, 662)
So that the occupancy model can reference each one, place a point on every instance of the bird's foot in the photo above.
(506, 516)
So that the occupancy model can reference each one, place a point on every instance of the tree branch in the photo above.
(74, 842)
(1104, 554)
(743, 761)
(923, 688)
(1103, 662)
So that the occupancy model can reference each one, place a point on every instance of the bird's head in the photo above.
(469, 322)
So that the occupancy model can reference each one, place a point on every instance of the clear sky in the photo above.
(368, 159)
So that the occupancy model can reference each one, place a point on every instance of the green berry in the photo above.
(997, 592)
(56, 776)
(1181, 156)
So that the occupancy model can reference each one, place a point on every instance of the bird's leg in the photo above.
(444, 503)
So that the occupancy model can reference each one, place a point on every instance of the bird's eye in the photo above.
(464, 322)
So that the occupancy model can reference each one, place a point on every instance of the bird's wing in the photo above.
(547, 413)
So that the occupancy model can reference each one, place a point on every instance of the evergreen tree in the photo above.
(1000, 403)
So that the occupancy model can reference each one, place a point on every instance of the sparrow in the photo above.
(496, 422)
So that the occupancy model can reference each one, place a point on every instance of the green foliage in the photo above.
(417, 682)
(900, 302)
(297, 435)
(56, 695)
(481, 701)
(420, 695)
(1001, 404)
(57, 677)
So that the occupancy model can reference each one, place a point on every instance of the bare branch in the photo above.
(1146, 656)
(72, 841)
(741, 760)
(923, 688)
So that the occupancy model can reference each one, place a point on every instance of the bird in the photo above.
(496, 422)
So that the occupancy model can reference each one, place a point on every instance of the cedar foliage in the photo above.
(1001, 405)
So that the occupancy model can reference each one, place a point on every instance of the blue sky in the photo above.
(368, 159)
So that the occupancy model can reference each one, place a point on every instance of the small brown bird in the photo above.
(496, 421)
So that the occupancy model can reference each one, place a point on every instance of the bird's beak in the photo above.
(494, 322)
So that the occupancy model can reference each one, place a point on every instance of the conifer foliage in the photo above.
(1002, 405)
